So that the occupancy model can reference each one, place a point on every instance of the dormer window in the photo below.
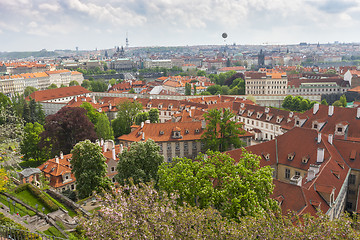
(315, 126)
(259, 114)
(267, 110)
(149, 105)
(186, 131)
(268, 117)
(291, 114)
(241, 111)
(279, 119)
(170, 107)
(340, 129)
(242, 105)
(250, 112)
(305, 159)
(297, 122)
(197, 130)
(291, 156)
(176, 133)
(160, 106)
(266, 156)
(161, 132)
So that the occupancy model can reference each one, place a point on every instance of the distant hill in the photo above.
(17, 55)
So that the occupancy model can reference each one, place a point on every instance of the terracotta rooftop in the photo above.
(49, 94)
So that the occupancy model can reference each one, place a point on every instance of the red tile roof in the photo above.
(63, 92)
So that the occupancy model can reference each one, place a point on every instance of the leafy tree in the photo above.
(30, 147)
(214, 89)
(66, 128)
(4, 100)
(140, 162)
(144, 213)
(304, 104)
(324, 102)
(214, 179)
(11, 125)
(131, 90)
(103, 128)
(201, 73)
(126, 114)
(194, 89)
(73, 83)
(225, 90)
(337, 103)
(86, 84)
(29, 90)
(52, 86)
(154, 115)
(98, 86)
(287, 103)
(221, 132)
(187, 89)
(91, 112)
(112, 81)
(89, 167)
(141, 117)
(343, 101)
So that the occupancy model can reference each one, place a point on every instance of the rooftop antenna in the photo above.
(127, 40)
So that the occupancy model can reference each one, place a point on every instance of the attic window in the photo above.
(250, 112)
(186, 131)
(315, 126)
(305, 159)
(45, 166)
(336, 174)
(279, 119)
(267, 109)
(149, 105)
(266, 156)
(241, 112)
(197, 130)
(297, 122)
(52, 169)
(339, 129)
(242, 105)
(268, 117)
(176, 134)
(259, 114)
(161, 132)
(353, 155)
(159, 106)
(291, 156)
(170, 107)
(291, 114)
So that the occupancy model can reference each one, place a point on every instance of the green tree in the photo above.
(126, 114)
(73, 83)
(194, 89)
(214, 89)
(214, 179)
(29, 146)
(288, 102)
(131, 90)
(187, 89)
(337, 103)
(324, 102)
(221, 133)
(225, 90)
(141, 117)
(201, 73)
(86, 84)
(29, 90)
(112, 81)
(343, 101)
(4, 100)
(52, 86)
(103, 129)
(304, 105)
(140, 162)
(91, 112)
(98, 86)
(89, 167)
(154, 115)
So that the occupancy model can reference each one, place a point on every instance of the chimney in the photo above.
(101, 142)
(296, 180)
(57, 159)
(147, 121)
(320, 155)
(315, 108)
(319, 138)
(313, 170)
(330, 139)
(93, 99)
(110, 107)
(61, 155)
(75, 98)
(143, 136)
(203, 124)
(142, 125)
(358, 113)
(189, 113)
(331, 111)
(121, 148)
(113, 153)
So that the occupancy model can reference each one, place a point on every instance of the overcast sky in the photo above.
(90, 24)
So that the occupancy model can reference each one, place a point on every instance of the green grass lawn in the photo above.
(28, 198)
(18, 207)
(52, 231)
(59, 204)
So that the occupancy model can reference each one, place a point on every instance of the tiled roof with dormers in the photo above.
(163, 132)
(341, 115)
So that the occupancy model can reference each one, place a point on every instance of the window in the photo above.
(169, 159)
(72, 187)
(287, 173)
(185, 145)
(348, 205)
(297, 173)
(177, 146)
(339, 129)
(352, 179)
(169, 146)
(194, 146)
(113, 180)
(351, 192)
(66, 177)
(160, 145)
(112, 169)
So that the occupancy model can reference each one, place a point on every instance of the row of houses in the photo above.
(12, 84)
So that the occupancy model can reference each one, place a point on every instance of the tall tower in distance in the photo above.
(127, 41)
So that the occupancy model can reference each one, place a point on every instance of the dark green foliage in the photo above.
(141, 117)
(154, 115)
(187, 89)
(89, 168)
(103, 128)
(140, 162)
(52, 86)
(126, 115)
(86, 84)
(38, 195)
(73, 83)
(221, 132)
(297, 103)
(29, 90)
(91, 112)
(98, 86)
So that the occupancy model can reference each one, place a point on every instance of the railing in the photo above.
(17, 234)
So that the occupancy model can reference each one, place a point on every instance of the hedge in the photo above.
(39, 195)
